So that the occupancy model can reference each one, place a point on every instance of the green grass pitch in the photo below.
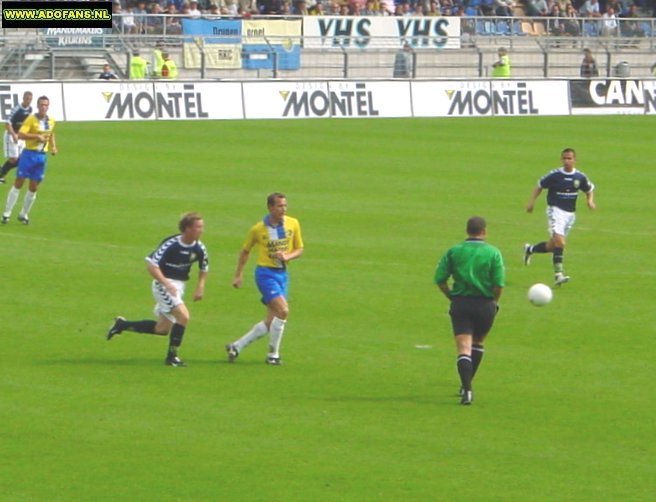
(564, 400)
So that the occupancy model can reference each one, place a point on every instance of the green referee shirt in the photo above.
(476, 267)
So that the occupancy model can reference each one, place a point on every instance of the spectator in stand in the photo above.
(572, 26)
(172, 24)
(445, 7)
(140, 17)
(420, 7)
(589, 65)
(434, 9)
(487, 7)
(504, 8)
(628, 24)
(129, 24)
(537, 8)
(117, 20)
(619, 7)
(402, 9)
(194, 12)
(590, 8)
(270, 6)
(286, 8)
(300, 8)
(247, 8)
(213, 12)
(610, 23)
(357, 5)
(333, 8)
(318, 10)
(229, 7)
(369, 8)
(386, 7)
(562, 4)
(355, 10)
(155, 21)
(556, 24)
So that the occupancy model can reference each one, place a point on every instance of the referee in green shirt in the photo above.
(478, 278)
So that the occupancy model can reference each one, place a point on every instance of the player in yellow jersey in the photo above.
(278, 239)
(38, 133)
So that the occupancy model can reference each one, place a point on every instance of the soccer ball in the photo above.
(539, 294)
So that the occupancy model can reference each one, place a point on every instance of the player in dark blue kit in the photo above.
(169, 265)
(563, 186)
(13, 144)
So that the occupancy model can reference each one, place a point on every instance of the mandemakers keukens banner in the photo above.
(249, 44)
(75, 37)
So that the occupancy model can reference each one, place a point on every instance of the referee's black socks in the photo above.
(466, 371)
(477, 356)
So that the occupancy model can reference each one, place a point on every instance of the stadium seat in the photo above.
(527, 28)
(539, 29)
(485, 28)
(502, 28)
(471, 11)
(517, 29)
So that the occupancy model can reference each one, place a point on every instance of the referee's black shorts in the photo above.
(472, 315)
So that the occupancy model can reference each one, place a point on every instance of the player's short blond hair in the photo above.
(188, 219)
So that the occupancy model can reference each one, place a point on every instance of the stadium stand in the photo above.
(536, 53)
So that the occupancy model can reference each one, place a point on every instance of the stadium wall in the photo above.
(203, 100)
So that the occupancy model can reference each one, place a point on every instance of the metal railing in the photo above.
(539, 48)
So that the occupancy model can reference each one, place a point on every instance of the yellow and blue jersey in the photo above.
(35, 125)
(285, 237)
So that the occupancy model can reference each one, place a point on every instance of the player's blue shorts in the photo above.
(32, 165)
(272, 282)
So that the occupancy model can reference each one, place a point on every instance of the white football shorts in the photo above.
(13, 148)
(560, 222)
(165, 302)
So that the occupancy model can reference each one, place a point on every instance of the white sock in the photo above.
(256, 332)
(12, 198)
(28, 202)
(275, 336)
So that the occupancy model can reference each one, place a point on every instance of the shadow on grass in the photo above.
(104, 361)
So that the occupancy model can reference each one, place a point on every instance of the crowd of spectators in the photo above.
(562, 16)
(234, 8)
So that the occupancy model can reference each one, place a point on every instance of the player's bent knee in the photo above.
(162, 328)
